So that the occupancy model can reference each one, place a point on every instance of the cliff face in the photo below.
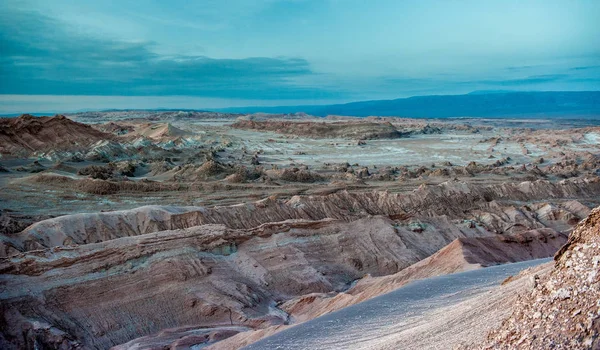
(563, 309)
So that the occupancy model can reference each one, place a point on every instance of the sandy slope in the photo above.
(433, 313)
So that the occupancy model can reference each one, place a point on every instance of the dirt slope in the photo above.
(462, 254)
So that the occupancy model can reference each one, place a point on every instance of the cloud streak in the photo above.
(530, 80)
(62, 61)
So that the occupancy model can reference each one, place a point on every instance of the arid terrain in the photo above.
(179, 229)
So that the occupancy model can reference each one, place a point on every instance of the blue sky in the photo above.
(70, 54)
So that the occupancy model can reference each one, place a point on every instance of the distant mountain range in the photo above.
(477, 104)
(584, 104)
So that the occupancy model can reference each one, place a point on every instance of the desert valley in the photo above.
(189, 229)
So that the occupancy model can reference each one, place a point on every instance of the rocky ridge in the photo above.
(562, 310)
(348, 129)
(482, 207)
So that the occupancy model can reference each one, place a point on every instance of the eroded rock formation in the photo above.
(327, 237)
(481, 205)
(103, 279)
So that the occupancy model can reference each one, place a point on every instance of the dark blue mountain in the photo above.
(477, 104)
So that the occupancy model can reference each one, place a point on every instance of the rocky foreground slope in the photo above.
(562, 311)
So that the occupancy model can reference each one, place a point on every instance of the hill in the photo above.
(28, 134)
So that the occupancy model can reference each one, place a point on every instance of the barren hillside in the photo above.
(28, 134)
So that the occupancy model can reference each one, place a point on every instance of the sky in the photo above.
(67, 55)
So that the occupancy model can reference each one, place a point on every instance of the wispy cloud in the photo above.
(585, 68)
(529, 80)
(41, 55)
(520, 68)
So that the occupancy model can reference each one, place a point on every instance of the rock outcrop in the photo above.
(118, 287)
(210, 276)
(562, 311)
